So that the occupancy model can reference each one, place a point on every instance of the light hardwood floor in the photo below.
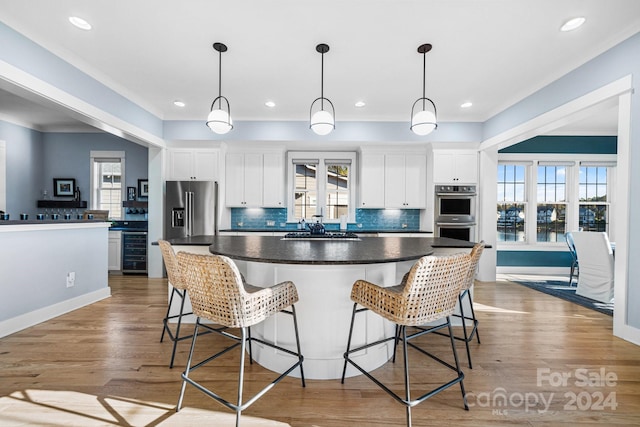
(103, 365)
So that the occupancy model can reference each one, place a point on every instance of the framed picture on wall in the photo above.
(64, 187)
(143, 188)
(131, 193)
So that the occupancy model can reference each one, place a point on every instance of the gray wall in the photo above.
(35, 158)
(24, 167)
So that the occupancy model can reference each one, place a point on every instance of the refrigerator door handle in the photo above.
(188, 199)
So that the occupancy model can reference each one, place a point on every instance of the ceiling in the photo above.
(492, 53)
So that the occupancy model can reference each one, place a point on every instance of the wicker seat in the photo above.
(476, 252)
(179, 288)
(218, 293)
(428, 293)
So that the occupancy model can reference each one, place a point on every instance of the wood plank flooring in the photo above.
(103, 365)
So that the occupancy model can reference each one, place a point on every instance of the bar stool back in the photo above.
(428, 293)
(218, 293)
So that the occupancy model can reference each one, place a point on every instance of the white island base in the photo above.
(324, 315)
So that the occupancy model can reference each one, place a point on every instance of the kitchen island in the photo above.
(324, 271)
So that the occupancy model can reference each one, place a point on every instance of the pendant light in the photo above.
(219, 119)
(425, 120)
(323, 119)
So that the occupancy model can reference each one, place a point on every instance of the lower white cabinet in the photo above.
(115, 250)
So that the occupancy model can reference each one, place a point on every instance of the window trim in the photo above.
(546, 159)
(95, 154)
(323, 158)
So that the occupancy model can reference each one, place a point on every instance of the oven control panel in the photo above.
(456, 189)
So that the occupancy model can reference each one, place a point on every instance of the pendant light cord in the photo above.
(424, 78)
(322, 82)
(220, 79)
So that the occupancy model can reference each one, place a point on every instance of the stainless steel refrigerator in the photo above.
(191, 208)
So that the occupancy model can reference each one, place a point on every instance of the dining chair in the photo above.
(575, 271)
(597, 265)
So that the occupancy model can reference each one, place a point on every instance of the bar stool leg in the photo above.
(243, 344)
(166, 317)
(295, 327)
(407, 391)
(464, 328)
(185, 374)
(176, 338)
(346, 354)
(455, 357)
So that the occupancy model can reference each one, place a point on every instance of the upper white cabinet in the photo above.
(453, 167)
(393, 180)
(372, 180)
(274, 180)
(185, 165)
(405, 181)
(254, 180)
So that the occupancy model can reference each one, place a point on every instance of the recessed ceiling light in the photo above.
(179, 103)
(572, 24)
(466, 104)
(270, 104)
(360, 104)
(80, 23)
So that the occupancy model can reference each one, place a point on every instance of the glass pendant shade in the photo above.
(322, 122)
(423, 122)
(219, 121)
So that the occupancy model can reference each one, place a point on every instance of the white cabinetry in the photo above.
(185, 165)
(395, 181)
(274, 180)
(405, 181)
(459, 166)
(254, 180)
(115, 250)
(372, 181)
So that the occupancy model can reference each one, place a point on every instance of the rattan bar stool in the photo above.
(428, 293)
(218, 294)
(179, 288)
(467, 337)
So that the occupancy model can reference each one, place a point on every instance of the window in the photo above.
(107, 176)
(593, 210)
(560, 192)
(306, 194)
(511, 203)
(337, 190)
(551, 203)
(321, 185)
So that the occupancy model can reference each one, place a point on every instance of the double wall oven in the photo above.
(455, 212)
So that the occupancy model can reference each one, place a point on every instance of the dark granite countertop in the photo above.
(367, 250)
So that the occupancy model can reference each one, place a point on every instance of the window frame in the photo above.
(323, 159)
(93, 193)
(572, 162)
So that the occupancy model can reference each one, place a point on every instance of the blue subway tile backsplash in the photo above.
(366, 219)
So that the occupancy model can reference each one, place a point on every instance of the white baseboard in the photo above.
(539, 271)
(23, 321)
